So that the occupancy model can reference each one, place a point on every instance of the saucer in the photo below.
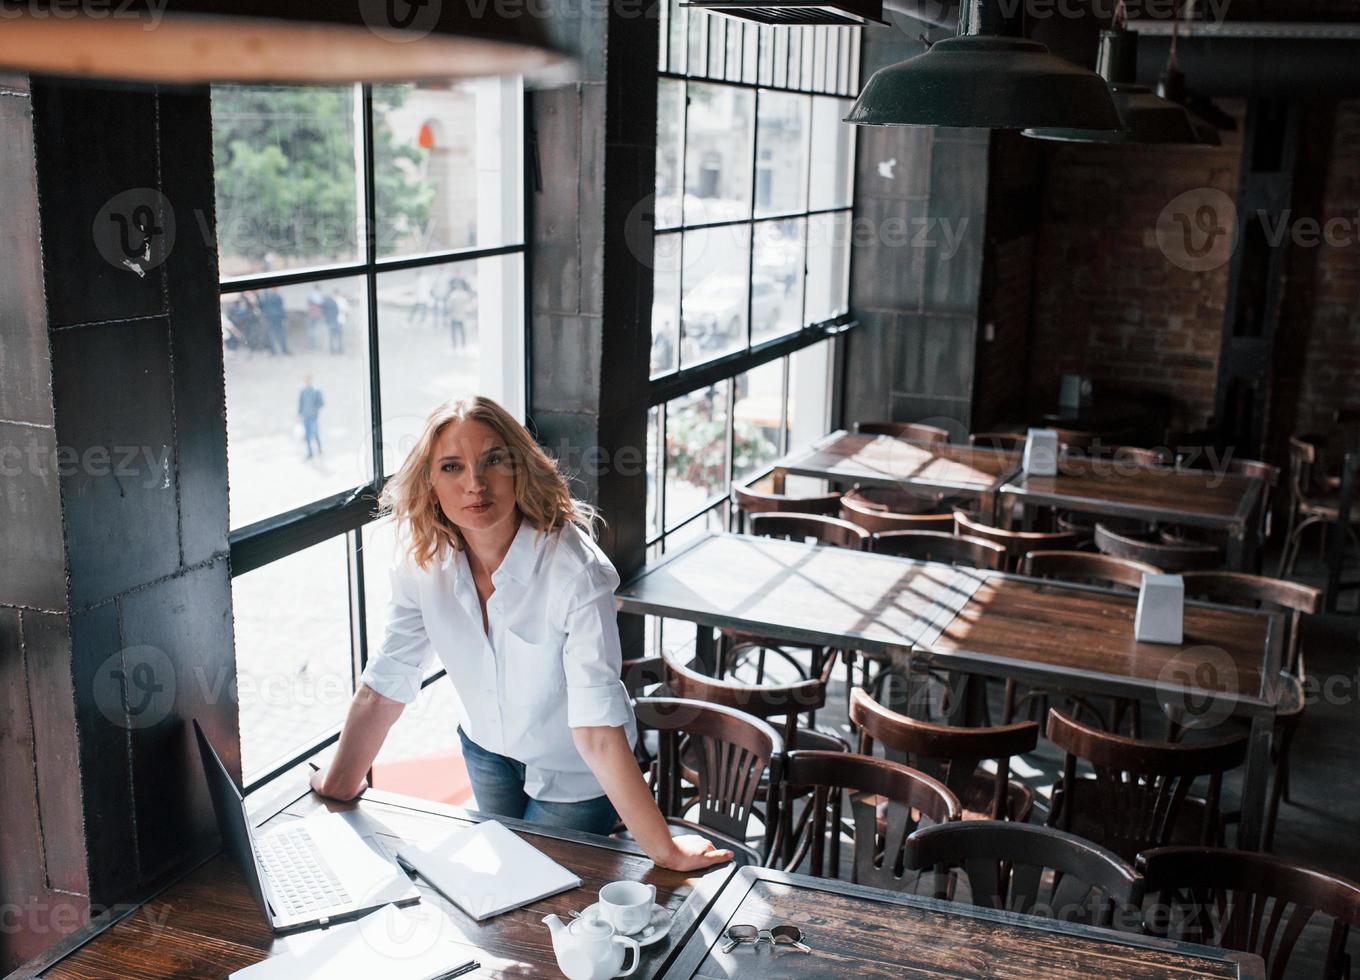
(652, 932)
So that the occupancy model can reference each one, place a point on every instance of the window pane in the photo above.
(379, 557)
(284, 170)
(447, 162)
(781, 153)
(757, 419)
(421, 755)
(781, 55)
(666, 304)
(679, 35)
(828, 266)
(713, 313)
(720, 128)
(777, 282)
(654, 469)
(749, 54)
(293, 653)
(796, 39)
(450, 331)
(809, 405)
(696, 451)
(670, 142)
(833, 155)
(296, 362)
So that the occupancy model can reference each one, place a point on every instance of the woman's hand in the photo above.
(321, 789)
(692, 853)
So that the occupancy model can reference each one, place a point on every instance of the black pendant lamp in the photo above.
(989, 76)
(1171, 86)
(191, 41)
(1147, 117)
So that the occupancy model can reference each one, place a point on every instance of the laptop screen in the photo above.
(232, 820)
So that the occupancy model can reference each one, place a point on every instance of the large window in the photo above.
(755, 176)
(755, 173)
(371, 248)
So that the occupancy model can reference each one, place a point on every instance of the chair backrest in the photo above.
(1077, 440)
(998, 440)
(733, 749)
(765, 701)
(1017, 543)
(915, 431)
(1302, 461)
(875, 519)
(1140, 456)
(1248, 901)
(896, 500)
(1086, 568)
(1032, 870)
(950, 549)
(750, 501)
(801, 527)
(914, 800)
(1258, 592)
(1170, 557)
(949, 754)
(1139, 788)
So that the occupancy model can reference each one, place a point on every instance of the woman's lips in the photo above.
(479, 508)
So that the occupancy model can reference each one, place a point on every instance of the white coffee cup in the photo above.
(627, 905)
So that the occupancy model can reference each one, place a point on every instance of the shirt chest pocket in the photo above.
(533, 674)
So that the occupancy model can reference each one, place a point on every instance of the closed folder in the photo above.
(486, 869)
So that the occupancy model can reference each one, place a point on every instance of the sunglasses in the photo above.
(781, 935)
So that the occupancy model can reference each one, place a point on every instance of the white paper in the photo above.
(392, 943)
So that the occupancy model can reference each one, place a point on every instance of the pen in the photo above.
(457, 971)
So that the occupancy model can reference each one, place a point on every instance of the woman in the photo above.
(501, 579)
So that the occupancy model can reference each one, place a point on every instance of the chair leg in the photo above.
(1008, 703)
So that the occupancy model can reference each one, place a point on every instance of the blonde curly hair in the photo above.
(541, 492)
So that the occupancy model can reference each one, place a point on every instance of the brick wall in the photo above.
(1331, 371)
(1109, 304)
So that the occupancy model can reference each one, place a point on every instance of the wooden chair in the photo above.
(1247, 901)
(1172, 558)
(896, 500)
(949, 549)
(913, 431)
(1138, 796)
(750, 502)
(802, 527)
(914, 801)
(1311, 502)
(1141, 457)
(1277, 595)
(1010, 441)
(952, 755)
(1027, 869)
(876, 520)
(1088, 569)
(732, 750)
(1017, 544)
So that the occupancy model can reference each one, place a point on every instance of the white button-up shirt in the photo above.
(548, 661)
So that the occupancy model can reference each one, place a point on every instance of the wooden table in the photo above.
(1121, 488)
(1069, 637)
(862, 932)
(207, 925)
(882, 461)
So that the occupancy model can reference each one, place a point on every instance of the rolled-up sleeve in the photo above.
(398, 667)
(591, 654)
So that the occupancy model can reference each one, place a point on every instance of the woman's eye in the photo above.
(450, 468)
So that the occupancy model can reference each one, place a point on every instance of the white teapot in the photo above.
(589, 949)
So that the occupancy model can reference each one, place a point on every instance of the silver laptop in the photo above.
(309, 872)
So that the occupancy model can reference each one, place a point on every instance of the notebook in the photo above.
(486, 869)
(394, 943)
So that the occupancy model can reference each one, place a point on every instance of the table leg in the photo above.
(910, 696)
(1254, 782)
(705, 650)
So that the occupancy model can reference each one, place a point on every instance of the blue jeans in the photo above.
(498, 785)
(311, 434)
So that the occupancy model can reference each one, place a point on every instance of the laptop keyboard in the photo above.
(299, 878)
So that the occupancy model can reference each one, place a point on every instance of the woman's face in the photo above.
(473, 476)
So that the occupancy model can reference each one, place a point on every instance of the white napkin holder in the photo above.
(1161, 610)
(1041, 453)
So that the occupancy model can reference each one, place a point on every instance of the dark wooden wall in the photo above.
(116, 620)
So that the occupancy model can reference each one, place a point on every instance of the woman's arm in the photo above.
(606, 751)
(371, 716)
